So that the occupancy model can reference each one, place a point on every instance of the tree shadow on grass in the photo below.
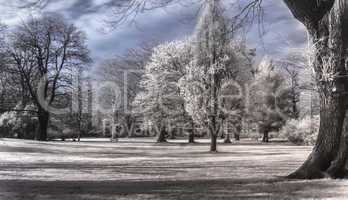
(275, 188)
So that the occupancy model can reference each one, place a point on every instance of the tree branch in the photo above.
(309, 12)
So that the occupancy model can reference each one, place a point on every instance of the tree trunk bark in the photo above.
(162, 136)
(328, 142)
(265, 137)
(191, 138)
(222, 136)
(237, 136)
(213, 143)
(326, 25)
(79, 136)
(213, 133)
(173, 134)
(337, 168)
(41, 133)
(228, 139)
(213, 126)
(237, 133)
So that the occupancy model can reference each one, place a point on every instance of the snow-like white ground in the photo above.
(141, 169)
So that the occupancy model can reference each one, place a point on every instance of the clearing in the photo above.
(141, 169)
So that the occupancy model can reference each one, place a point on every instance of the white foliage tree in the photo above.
(215, 62)
(160, 102)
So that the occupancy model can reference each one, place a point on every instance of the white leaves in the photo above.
(8, 118)
(302, 131)
(217, 59)
(185, 72)
(161, 97)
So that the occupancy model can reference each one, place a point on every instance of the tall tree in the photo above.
(43, 52)
(326, 22)
(292, 67)
(213, 62)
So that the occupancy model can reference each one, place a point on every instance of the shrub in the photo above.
(18, 124)
(302, 131)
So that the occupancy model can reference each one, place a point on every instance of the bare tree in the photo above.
(125, 71)
(292, 66)
(43, 52)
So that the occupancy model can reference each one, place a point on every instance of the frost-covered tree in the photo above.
(213, 63)
(160, 102)
(19, 122)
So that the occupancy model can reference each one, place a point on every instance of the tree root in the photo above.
(315, 173)
(307, 174)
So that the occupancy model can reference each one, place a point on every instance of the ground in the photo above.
(141, 169)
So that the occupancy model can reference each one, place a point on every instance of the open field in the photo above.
(140, 169)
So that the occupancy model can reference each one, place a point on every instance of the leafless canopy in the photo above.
(124, 11)
(128, 10)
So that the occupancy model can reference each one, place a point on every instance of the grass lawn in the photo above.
(141, 169)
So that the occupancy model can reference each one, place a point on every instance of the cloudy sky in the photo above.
(282, 32)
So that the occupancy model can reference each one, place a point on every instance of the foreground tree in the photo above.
(326, 22)
(43, 51)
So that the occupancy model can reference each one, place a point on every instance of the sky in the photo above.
(281, 31)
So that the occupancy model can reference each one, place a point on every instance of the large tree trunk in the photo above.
(213, 143)
(41, 132)
(338, 166)
(325, 23)
(328, 142)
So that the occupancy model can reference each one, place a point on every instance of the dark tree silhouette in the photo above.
(42, 51)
